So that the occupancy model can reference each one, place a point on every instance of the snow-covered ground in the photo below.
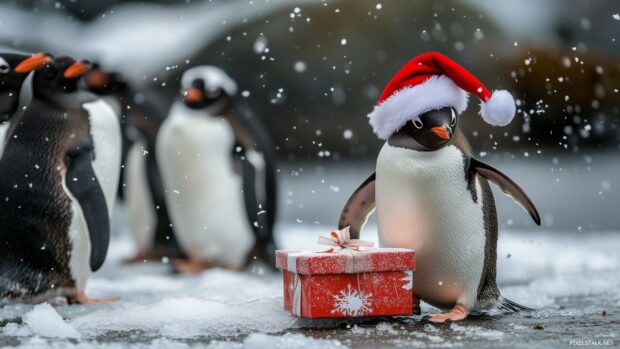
(564, 277)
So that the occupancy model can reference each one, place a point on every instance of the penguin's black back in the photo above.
(35, 211)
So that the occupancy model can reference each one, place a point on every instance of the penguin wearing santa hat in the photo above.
(430, 193)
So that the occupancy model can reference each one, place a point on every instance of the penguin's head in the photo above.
(434, 129)
(14, 68)
(103, 82)
(207, 87)
(61, 76)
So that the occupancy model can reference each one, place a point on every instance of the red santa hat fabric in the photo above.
(433, 81)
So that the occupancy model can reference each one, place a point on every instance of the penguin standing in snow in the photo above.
(430, 193)
(56, 178)
(140, 189)
(219, 176)
(14, 69)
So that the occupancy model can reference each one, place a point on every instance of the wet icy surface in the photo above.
(570, 280)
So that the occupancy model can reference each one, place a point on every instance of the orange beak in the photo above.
(33, 62)
(97, 78)
(193, 95)
(441, 132)
(76, 69)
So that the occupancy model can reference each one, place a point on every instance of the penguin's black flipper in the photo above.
(359, 206)
(265, 245)
(82, 182)
(507, 185)
(252, 136)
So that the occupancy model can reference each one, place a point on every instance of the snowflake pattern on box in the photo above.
(408, 279)
(352, 302)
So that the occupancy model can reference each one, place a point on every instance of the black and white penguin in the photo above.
(430, 193)
(218, 172)
(14, 69)
(57, 177)
(140, 189)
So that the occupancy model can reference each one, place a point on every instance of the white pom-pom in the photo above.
(500, 109)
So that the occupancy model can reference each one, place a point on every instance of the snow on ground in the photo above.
(222, 309)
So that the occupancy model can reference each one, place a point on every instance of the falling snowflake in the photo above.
(408, 279)
(352, 302)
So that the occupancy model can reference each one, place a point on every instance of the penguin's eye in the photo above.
(214, 94)
(453, 121)
(4, 66)
(418, 123)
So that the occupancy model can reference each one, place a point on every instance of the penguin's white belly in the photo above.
(203, 192)
(106, 133)
(79, 262)
(423, 203)
(4, 129)
(142, 217)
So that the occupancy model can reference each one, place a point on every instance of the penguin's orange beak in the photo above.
(97, 78)
(76, 69)
(33, 62)
(442, 132)
(193, 95)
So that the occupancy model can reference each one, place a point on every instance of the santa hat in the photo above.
(433, 81)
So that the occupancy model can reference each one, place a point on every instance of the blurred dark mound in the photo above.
(314, 70)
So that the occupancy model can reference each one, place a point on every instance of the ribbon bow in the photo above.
(341, 239)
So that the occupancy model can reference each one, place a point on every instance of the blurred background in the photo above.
(312, 71)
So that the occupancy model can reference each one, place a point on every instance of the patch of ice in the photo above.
(476, 331)
(188, 317)
(386, 327)
(16, 330)
(45, 321)
(42, 343)
(287, 341)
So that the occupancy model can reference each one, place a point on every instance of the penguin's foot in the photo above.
(189, 266)
(82, 298)
(233, 267)
(459, 312)
(138, 258)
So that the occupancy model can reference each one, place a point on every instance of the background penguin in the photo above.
(140, 188)
(54, 221)
(14, 69)
(430, 193)
(218, 172)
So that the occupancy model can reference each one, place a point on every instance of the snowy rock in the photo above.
(45, 321)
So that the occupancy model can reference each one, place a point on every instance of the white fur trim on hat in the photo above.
(500, 109)
(406, 104)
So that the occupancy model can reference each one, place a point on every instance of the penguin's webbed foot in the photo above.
(84, 299)
(139, 257)
(189, 266)
(459, 312)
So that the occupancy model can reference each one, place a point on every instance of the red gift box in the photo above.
(348, 283)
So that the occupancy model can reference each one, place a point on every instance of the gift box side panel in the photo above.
(288, 288)
(391, 292)
(362, 294)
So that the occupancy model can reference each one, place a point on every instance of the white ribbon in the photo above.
(341, 239)
(296, 294)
